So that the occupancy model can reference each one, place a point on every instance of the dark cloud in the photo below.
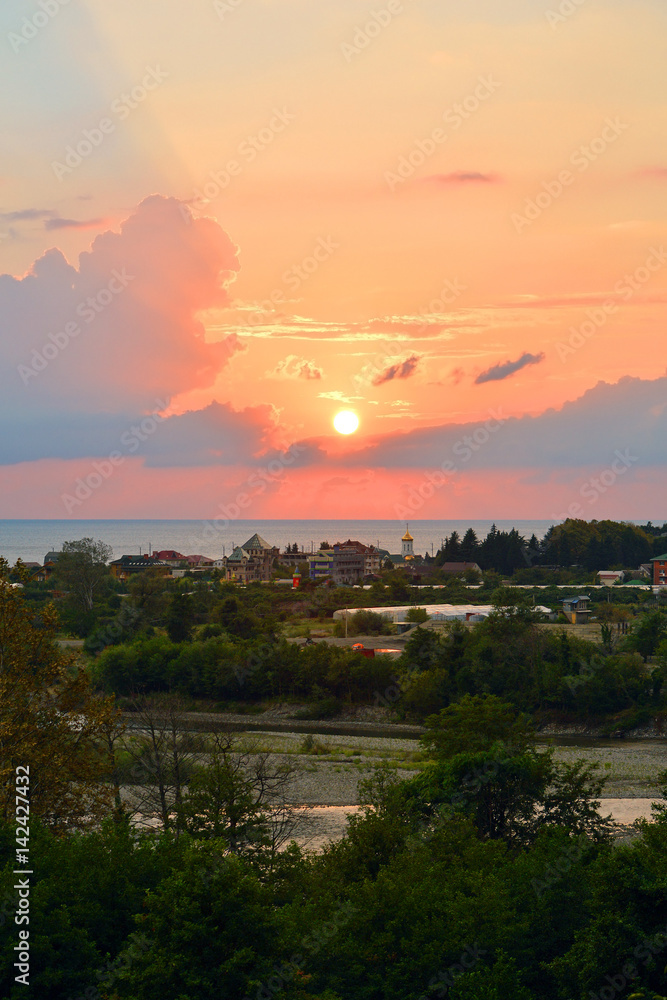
(507, 368)
(27, 215)
(215, 435)
(59, 223)
(402, 369)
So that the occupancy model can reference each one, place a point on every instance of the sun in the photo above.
(346, 422)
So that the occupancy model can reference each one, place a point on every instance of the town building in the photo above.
(577, 609)
(170, 556)
(199, 562)
(128, 566)
(347, 562)
(659, 564)
(251, 562)
(407, 558)
(611, 576)
(320, 564)
(371, 556)
(348, 565)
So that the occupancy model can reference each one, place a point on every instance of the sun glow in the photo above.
(346, 422)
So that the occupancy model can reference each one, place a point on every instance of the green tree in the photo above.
(149, 594)
(475, 724)
(486, 765)
(417, 615)
(647, 634)
(211, 933)
(86, 889)
(469, 546)
(82, 569)
(50, 722)
(237, 621)
(179, 618)
(367, 623)
(238, 795)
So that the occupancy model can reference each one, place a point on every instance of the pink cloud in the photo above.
(125, 322)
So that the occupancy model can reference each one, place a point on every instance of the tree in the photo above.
(417, 615)
(367, 623)
(239, 795)
(179, 618)
(211, 934)
(148, 592)
(485, 765)
(474, 724)
(469, 546)
(237, 621)
(50, 722)
(647, 634)
(82, 569)
(163, 756)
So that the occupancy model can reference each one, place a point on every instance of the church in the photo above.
(407, 554)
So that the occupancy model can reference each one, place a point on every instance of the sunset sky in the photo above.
(223, 222)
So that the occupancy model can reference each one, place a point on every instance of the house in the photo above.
(348, 565)
(371, 557)
(251, 562)
(42, 573)
(610, 576)
(239, 566)
(38, 572)
(347, 562)
(320, 564)
(659, 564)
(199, 562)
(577, 609)
(169, 556)
(127, 566)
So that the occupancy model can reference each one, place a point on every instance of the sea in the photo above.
(31, 540)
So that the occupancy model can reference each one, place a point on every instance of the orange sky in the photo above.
(437, 218)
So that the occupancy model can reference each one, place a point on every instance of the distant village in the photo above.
(348, 563)
(345, 563)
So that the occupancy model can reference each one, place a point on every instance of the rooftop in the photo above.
(255, 543)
